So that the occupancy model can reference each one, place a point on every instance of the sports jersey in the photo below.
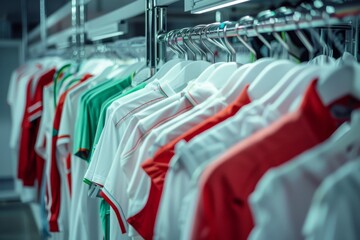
(82, 223)
(156, 168)
(30, 164)
(89, 115)
(277, 201)
(223, 210)
(335, 206)
(116, 126)
(193, 95)
(58, 164)
(128, 126)
(139, 189)
(183, 176)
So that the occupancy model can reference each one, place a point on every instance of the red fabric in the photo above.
(223, 211)
(26, 164)
(55, 178)
(157, 167)
(31, 165)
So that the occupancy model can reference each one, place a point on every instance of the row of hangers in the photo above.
(182, 42)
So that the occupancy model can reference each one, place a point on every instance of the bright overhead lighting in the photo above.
(109, 35)
(208, 9)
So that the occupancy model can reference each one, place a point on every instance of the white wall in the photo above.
(9, 60)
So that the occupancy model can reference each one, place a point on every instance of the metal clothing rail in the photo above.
(289, 23)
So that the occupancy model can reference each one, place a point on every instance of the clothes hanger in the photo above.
(339, 82)
(192, 31)
(283, 83)
(246, 21)
(239, 79)
(268, 78)
(164, 69)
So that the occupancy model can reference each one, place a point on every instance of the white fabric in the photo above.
(116, 126)
(122, 169)
(334, 212)
(283, 196)
(181, 179)
(115, 177)
(84, 219)
(139, 184)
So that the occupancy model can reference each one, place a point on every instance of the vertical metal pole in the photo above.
(356, 39)
(161, 28)
(81, 29)
(150, 37)
(43, 25)
(74, 35)
(156, 23)
(24, 24)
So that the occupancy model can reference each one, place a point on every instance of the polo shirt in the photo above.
(82, 223)
(139, 189)
(181, 176)
(58, 164)
(68, 117)
(223, 210)
(17, 99)
(192, 95)
(113, 174)
(277, 202)
(117, 128)
(88, 114)
(157, 167)
(334, 209)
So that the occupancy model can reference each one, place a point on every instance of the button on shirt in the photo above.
(192, 95)
(334, 212)
(223, 210)
(283, 196)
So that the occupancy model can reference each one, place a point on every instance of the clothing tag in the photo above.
(96, 191)
(91, 189)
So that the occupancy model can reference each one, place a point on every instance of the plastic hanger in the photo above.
(190, 72)
(236, 83)
(222, 74)
(290, 99)
(339, 82)
(268, 78)
(159, 74)
(204, 76)
(283, 83)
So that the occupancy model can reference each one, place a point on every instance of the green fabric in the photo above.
(63, 70)
(105, 218)
(89, 112)
(104, 108)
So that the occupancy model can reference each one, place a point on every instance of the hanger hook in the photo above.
(203, 33)
(177, 44)
(168, 43)
(184, 34)
(245, 21)
(199, 49)
(297, 16)
(266, 43)
(225, 42)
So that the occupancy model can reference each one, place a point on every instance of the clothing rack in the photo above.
(252, 27)
(273, 24)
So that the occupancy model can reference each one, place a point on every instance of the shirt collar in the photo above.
(166, 89)
(197, 93)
